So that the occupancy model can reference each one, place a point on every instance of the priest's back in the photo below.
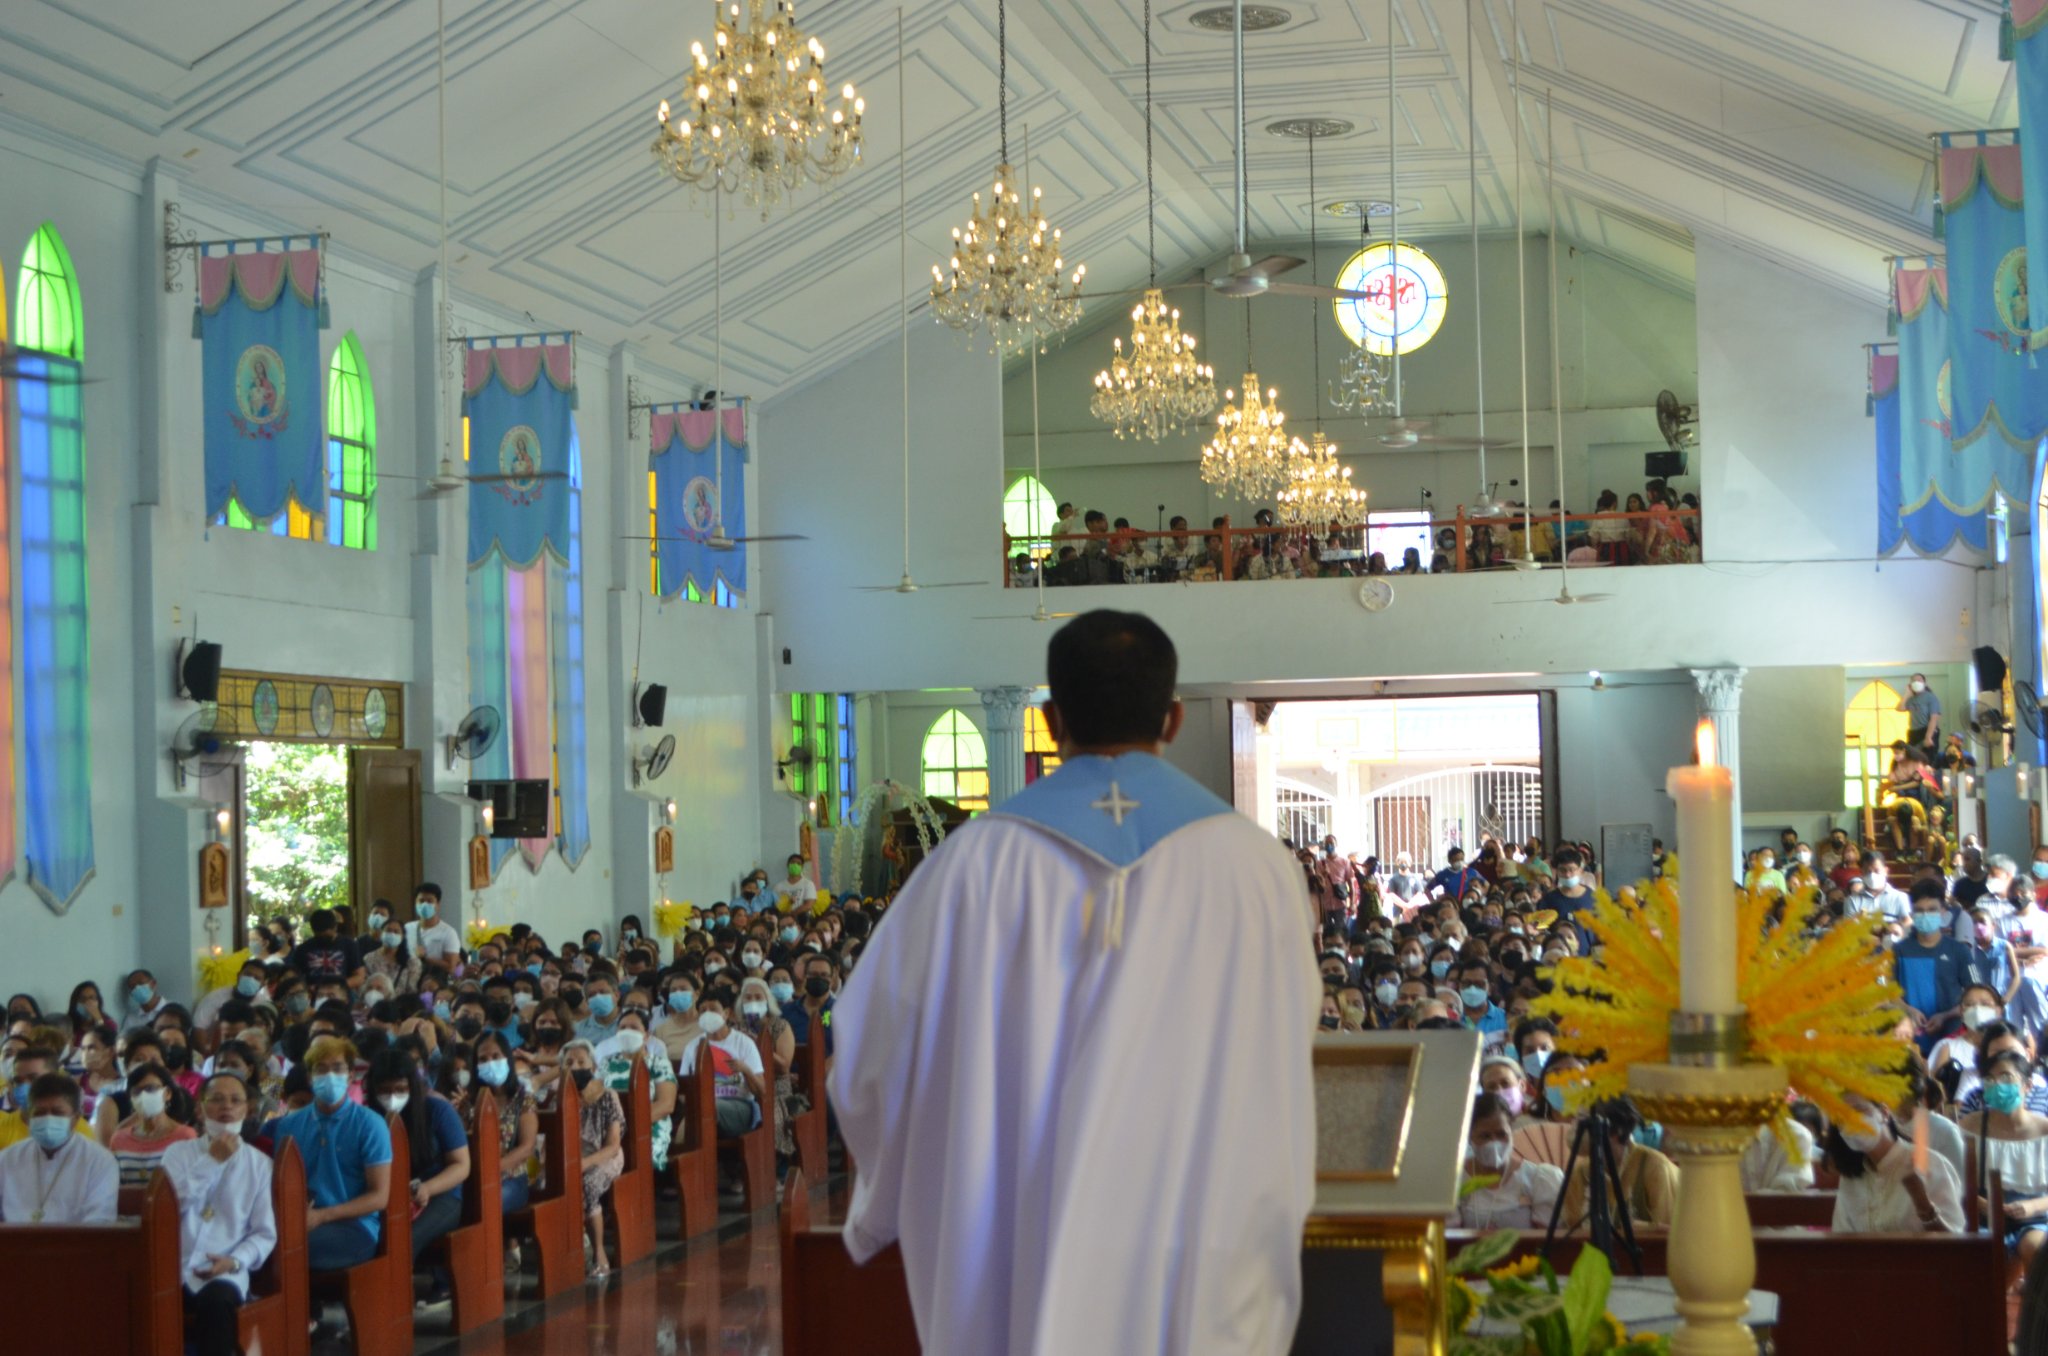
(1073, 1067)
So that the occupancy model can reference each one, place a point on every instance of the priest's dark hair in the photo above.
(1112, 676)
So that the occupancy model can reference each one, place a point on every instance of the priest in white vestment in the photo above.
(227, 1222)
(1073, 1061)
(57, 1175)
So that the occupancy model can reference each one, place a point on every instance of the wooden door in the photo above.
(1401, 824)
(385, 859)
(222, 782)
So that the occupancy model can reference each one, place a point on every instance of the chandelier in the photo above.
(1319, 495)
(1250, 453)
(1158, 385)
(1365, 380)
(754, 119)
(1006, 271)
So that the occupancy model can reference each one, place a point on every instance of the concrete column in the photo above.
(1003, 715)
(1720, 700)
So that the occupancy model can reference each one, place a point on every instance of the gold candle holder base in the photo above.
(1710, 1111)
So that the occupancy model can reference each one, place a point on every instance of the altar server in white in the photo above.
(226, 1222)
(1073, 1061)
(56, 1175)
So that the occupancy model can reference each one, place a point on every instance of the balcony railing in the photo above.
(1458, 545)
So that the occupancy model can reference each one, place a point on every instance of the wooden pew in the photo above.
(553, 1218)
(633, 1192)
(693, 1152)
(1791, 1209)
(809, 1129)
(121, 1281)
(378, 1293)
(273, 1318)
(474, 1250)
(754, 1152)
(828, 1303)
(1825, 1282)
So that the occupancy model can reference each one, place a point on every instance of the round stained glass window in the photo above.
(374, 714)
(321, 710)
(263, 707)
(1404, 303)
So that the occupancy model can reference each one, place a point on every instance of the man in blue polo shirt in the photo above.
(1931, 967)
(1476, 1006)
(347, 1151)
(1456, 878)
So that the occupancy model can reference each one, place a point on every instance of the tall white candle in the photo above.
(1706, 895)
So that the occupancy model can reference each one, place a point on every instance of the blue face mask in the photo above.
(81, 1011)
(1439, 968)
(533, 968)
(593, 947)
(2041, 870)
(2003, 1098)
(789, 934)
(21, 1094)
(426, 910)
(783, 993)
(1927, 924)
(1533, 1062)
(682, 1000)
(1650, 1136)
(1555, 1096)
(141, 994)
(601, 1005)
(329, 1089)
(441, 1011)
(248, 986)
(1473, 995)
(494, 1072)
(50, 1131)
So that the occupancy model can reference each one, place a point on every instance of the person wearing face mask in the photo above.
(759, 1014)
(347, 1151)
(1521, 1194)
(1923, 714)
(1955, 1059)
(392, 961)
(1501, 1077)
(2011, 1139)
(1992, 962)
(677, 1023)
(518, 1122)
(249, 986)
(1476, 1008)
(140, 1141)
(811, 1009)
(795, 893)
(430, 936)
(1385, 989)
(31, 1062)
(145, 1000)
(631, 1045)
(1573, 890)
(437, 1144)
(1879, 1191)
(737, 1073)
(602, 1123)
(1881, 896)
(2026, 928)
(226, 1224)
(1764, 873)
(54, 1173)
(1930, 967)
(601, 1000)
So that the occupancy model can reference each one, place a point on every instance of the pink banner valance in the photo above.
(1997, 166)
(518, 367)
(693, 428)
(1884, 372)
(2028, 15)
(260, 276)
(1912, 286)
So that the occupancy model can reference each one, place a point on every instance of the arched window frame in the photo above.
(1041, 753)
(1872, 713)
(351, 448)
(954, 761)
(48, 311)
(1029, 515)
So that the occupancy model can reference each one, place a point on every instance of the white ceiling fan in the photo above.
(907, 584)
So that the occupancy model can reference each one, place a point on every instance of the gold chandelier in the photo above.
(1005, 274)
(1250, 453)
(754, 119)
(1319, 495)
(1158, 386)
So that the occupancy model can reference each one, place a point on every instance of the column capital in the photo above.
(1007, 702)
(1720, 690)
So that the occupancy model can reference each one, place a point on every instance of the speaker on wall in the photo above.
(653, 703)
(1990, 668)
(1663, 465)
(200, 672)
(519, 809)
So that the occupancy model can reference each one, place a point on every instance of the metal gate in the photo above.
(1432, 812)
(1304, 813)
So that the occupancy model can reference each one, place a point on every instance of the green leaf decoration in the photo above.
(1465, 1344)
(1483, 1251)
(1521, 1309)
(1585, 1295)
(1478, 1183)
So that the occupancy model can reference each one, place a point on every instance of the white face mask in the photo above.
(630, 1041)
(756, 1009)
(1876, 880)
(1804, 855)
(711, 1023)
(150, 1102)
(1491, 1156)
(395, 1102)
(1918, 686)
(223, 1129)
(1977, 1014)
(462, 1078)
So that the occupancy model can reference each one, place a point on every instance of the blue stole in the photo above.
(1116, 809)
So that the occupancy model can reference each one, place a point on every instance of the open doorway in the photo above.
(1418, 776)
(295, 830)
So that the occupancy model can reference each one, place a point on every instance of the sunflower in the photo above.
(1518, 1269)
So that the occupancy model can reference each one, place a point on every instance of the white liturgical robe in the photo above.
(78, 1184)
(1073, 1064)
(224, 1209)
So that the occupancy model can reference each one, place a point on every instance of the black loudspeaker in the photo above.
(1663, 465)
(653, 703)
(519, 809)
(201, 672)
(1990, 669)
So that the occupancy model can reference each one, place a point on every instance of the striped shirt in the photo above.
(138, 1156)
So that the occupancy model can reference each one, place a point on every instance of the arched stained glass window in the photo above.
(956, 761)
(1873, 716)
(47, 310)
(1029, 513)
(1041, 754)
(351, 449)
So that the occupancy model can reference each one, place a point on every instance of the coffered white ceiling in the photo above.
(1797, 130)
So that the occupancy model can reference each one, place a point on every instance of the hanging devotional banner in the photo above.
(1997, 396)
(700, 487)
(519, 399)
(2029, 50)
(259, 319)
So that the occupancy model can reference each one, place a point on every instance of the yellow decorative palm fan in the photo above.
(671, 917)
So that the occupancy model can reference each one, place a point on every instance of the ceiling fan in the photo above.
(907, 584)
(718, 541)
(447, 479)
(1037, 614)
